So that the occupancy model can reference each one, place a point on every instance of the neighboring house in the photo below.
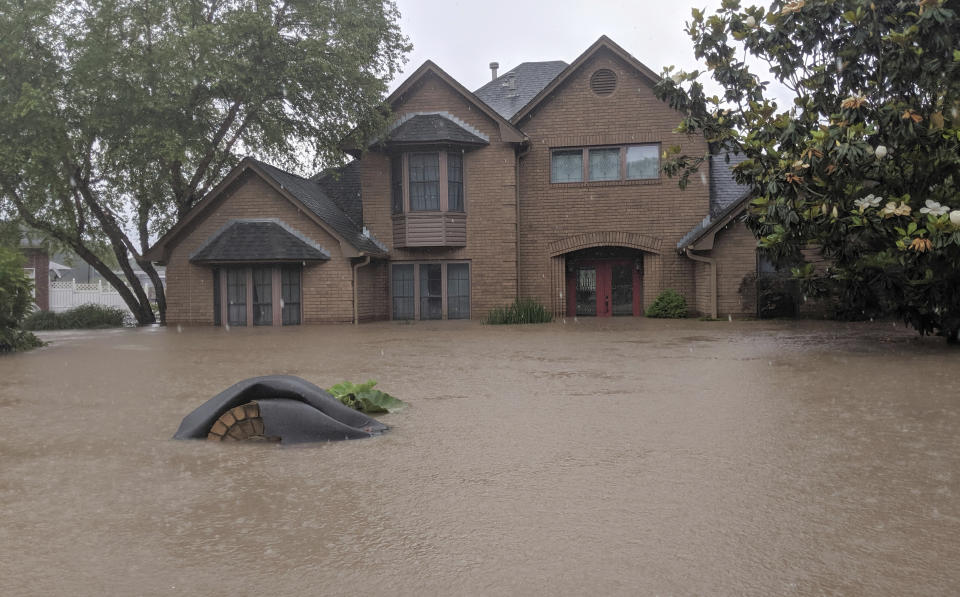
(37, 268)
(543, 183)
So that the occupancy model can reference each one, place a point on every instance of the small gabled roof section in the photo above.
(307, 195)
(514, 89)
(246, 241)
(508, 132)
(434, 128)
(603, 43)
(728, 200)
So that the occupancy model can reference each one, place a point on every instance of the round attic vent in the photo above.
(603, 81)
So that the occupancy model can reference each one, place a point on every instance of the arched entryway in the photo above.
(604, 282)
(605, 274)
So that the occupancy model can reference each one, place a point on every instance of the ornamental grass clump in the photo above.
(524, 310)
(670, 304)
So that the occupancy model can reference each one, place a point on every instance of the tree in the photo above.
(117, 116)
(865, 163)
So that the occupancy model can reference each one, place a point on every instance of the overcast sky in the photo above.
(464, 36)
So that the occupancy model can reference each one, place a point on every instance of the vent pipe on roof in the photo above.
(493, 70)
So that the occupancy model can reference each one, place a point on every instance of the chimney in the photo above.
(493, 70)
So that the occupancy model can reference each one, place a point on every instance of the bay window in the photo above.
(426, 181)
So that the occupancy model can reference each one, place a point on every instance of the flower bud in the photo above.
(750, 22)
(880, 152)
(955, 217)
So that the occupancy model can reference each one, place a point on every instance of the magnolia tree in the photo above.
(864, 163)
(117, 116)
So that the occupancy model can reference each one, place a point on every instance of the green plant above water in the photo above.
(670, 304)
(82, 317)
(524, 310)
(365, 398)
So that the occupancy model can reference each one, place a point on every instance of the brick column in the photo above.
(652, 277)
(558, 285)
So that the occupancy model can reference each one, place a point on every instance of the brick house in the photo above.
(543, 183)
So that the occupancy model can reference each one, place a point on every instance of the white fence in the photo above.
(70, 294)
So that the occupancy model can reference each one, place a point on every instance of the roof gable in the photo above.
(604, 43)
(508, 132)
(305, 194)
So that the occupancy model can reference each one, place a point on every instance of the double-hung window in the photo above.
(424, 182)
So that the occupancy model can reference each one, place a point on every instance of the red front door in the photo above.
(603, 288)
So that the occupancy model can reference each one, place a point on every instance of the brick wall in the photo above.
(735, 250)
(326, 287)
(373, 291)
(489, 195)
(39, 260)
(575, 117)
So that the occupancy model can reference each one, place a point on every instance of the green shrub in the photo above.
(82, 317)
(364, 397)
(16, 297)
(521, 311)
(670, 304)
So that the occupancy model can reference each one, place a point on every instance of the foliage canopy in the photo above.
(16, 296)
(865, 163)
(117, 116)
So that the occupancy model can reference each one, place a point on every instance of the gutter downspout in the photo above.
(356, 310)
(522, 152)
(712, 262)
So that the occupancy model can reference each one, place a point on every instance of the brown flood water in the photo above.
(625, 457)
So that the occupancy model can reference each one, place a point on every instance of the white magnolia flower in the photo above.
(934, 208)
(869, 201)
(955, 217)
(880, 151)
(750, 22)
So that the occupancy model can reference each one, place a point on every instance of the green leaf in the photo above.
(365, 398)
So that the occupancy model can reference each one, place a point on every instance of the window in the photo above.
(454, 182)
(629, 162)
(396, 184)
(290, 295)
(245, 295)
(424, 182)
(237, 296)
(605, 164)
(567, 166)
(458, 291)
(643, 162)
(262, 296)
(403, 292)
(430, 290)
(434, 182)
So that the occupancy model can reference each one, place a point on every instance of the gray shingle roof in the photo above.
(258, 240)
(432, 128)
(726, 196)
(312, 195)
(511, 91)
(343, 186)
(724, 190)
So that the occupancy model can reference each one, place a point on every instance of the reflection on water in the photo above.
(597, 457)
